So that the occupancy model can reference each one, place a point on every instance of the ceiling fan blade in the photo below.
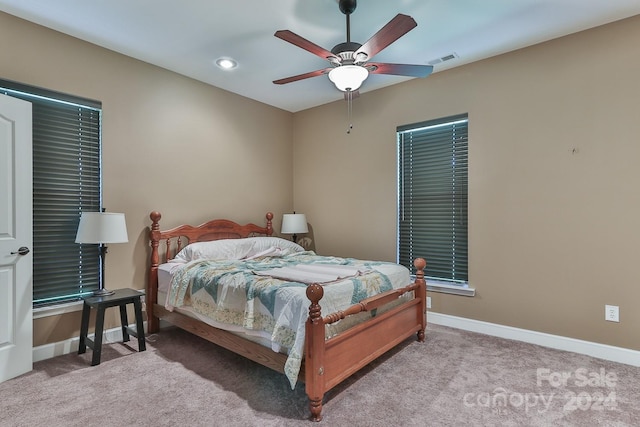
(396, 28)
(303, 43)
(399, 69)
(302, 76)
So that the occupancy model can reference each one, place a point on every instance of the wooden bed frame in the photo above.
(327, 362)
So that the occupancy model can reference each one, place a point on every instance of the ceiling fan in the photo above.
(348, 61)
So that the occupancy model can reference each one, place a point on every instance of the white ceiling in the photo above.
(187, 36)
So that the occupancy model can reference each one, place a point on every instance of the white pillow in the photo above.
(261, 244)
(218, 249)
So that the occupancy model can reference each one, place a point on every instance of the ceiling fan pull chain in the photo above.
(349, 108)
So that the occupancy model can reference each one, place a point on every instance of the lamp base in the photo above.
(102, 293)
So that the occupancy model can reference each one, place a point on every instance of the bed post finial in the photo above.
(269, 224)
(420, 264)
(421, 293)
(155, 218)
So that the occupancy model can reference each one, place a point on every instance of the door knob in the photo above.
(21, 251)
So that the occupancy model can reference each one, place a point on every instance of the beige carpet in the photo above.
(455, 378)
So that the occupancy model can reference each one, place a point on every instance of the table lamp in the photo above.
(293, 224)
(101, 228)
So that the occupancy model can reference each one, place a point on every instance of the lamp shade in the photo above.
(102, 227)
(294, 223)
(348, 77)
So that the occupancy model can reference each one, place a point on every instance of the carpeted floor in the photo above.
(455, 378)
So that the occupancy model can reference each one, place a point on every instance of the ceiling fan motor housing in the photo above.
(346, 50)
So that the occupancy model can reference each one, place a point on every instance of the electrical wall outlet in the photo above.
(612, 313)
(428, 302)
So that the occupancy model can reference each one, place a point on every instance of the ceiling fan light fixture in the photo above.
(348, 77)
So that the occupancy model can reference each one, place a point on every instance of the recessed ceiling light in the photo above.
(226, 63)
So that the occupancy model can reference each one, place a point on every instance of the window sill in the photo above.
(448, 288)
(56, 310)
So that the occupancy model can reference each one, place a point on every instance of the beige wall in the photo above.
(552, 232)
(186, 149)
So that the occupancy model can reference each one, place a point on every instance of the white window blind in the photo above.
(432, 205)
(66, 181)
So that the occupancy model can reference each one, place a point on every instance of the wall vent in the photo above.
(444, 58)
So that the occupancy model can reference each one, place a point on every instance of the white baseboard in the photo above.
(47, 351)
(600, 351)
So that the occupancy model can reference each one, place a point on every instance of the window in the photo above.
(432, 205)
(66, 181)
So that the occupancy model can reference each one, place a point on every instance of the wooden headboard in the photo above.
(177, 238)
(217, 229)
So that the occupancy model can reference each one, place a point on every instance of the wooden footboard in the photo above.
(327, 362)
(330, 361)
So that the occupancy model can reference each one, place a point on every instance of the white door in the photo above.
(16, 238)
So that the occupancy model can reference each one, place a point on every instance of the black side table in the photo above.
(120, 298)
